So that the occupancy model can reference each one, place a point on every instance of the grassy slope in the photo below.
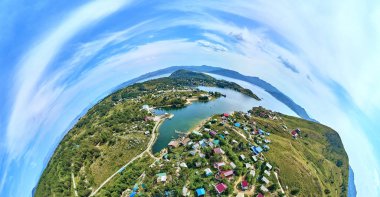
(307, 163)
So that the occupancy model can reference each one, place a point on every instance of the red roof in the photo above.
(244, 183)
(294, 132)
(221, 187)
(260, 195)
(227, 172)
(225, 115)
(218, 151)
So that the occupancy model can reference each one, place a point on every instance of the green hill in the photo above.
(120, 129)
(114, 131)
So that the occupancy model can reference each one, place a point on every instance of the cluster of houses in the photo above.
(224, 170)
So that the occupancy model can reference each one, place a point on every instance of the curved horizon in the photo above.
(60, 58)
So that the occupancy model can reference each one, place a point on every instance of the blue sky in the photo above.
(58, 58)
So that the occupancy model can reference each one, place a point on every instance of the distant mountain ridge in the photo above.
(280, 96)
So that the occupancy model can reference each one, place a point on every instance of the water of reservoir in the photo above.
(186, 118)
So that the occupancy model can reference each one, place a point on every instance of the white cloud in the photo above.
(325, 41)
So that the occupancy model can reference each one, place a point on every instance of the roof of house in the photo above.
(197, 133)
(173, 143)
(256, 149)
(218, 164)
(260, 195)
(185, 141)
(263, 188)
(185, 191)
(220, 187)
(212, 133)
(201, 191)
(218, 151)
(268, 165)
(237, 124)
(161, 174)
(227, 172)
(294, 132)
(225, 114)
(232, 164)
(208, 171)
(265, 179)
(244, 183)
(133, 194)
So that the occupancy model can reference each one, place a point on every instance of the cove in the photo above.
(186, 118)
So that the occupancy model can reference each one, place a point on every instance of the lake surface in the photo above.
(186, 118)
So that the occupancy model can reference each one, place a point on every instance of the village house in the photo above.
(200, 192)
(263, 188)
(256, 149)
(268, 165)
(213, 133)
(248, 165)
(197, 133)
(185, 141)
(173, 143)
(226, 173)
(259, 195)
(183, 165)
(185, 191)
(217, 165)
(216, 142)
(220, 187)
(267, 141)
(265, 180)
(146, 107)
(193, 152)
(254, 158)
(244, 185)
(218, 151)
(161, 177)
(208, 172)
(252, 172)
(232, 164)
(294, 134)
(195, 146)
(242, 157)
(267, 172)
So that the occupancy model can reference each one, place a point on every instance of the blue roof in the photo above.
(133, 194)
(261, 131)
(216, 142)
(256, 149)
(221, 136)
(237, 124)
(201, 192)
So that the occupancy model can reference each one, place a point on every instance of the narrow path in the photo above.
(74, 184)
(147, 150)
(238, 132)
(278, 181)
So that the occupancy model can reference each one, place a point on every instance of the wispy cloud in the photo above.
(325, 42)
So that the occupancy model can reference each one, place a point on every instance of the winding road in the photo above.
(147, 150)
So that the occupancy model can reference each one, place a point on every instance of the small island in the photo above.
(253, 153)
